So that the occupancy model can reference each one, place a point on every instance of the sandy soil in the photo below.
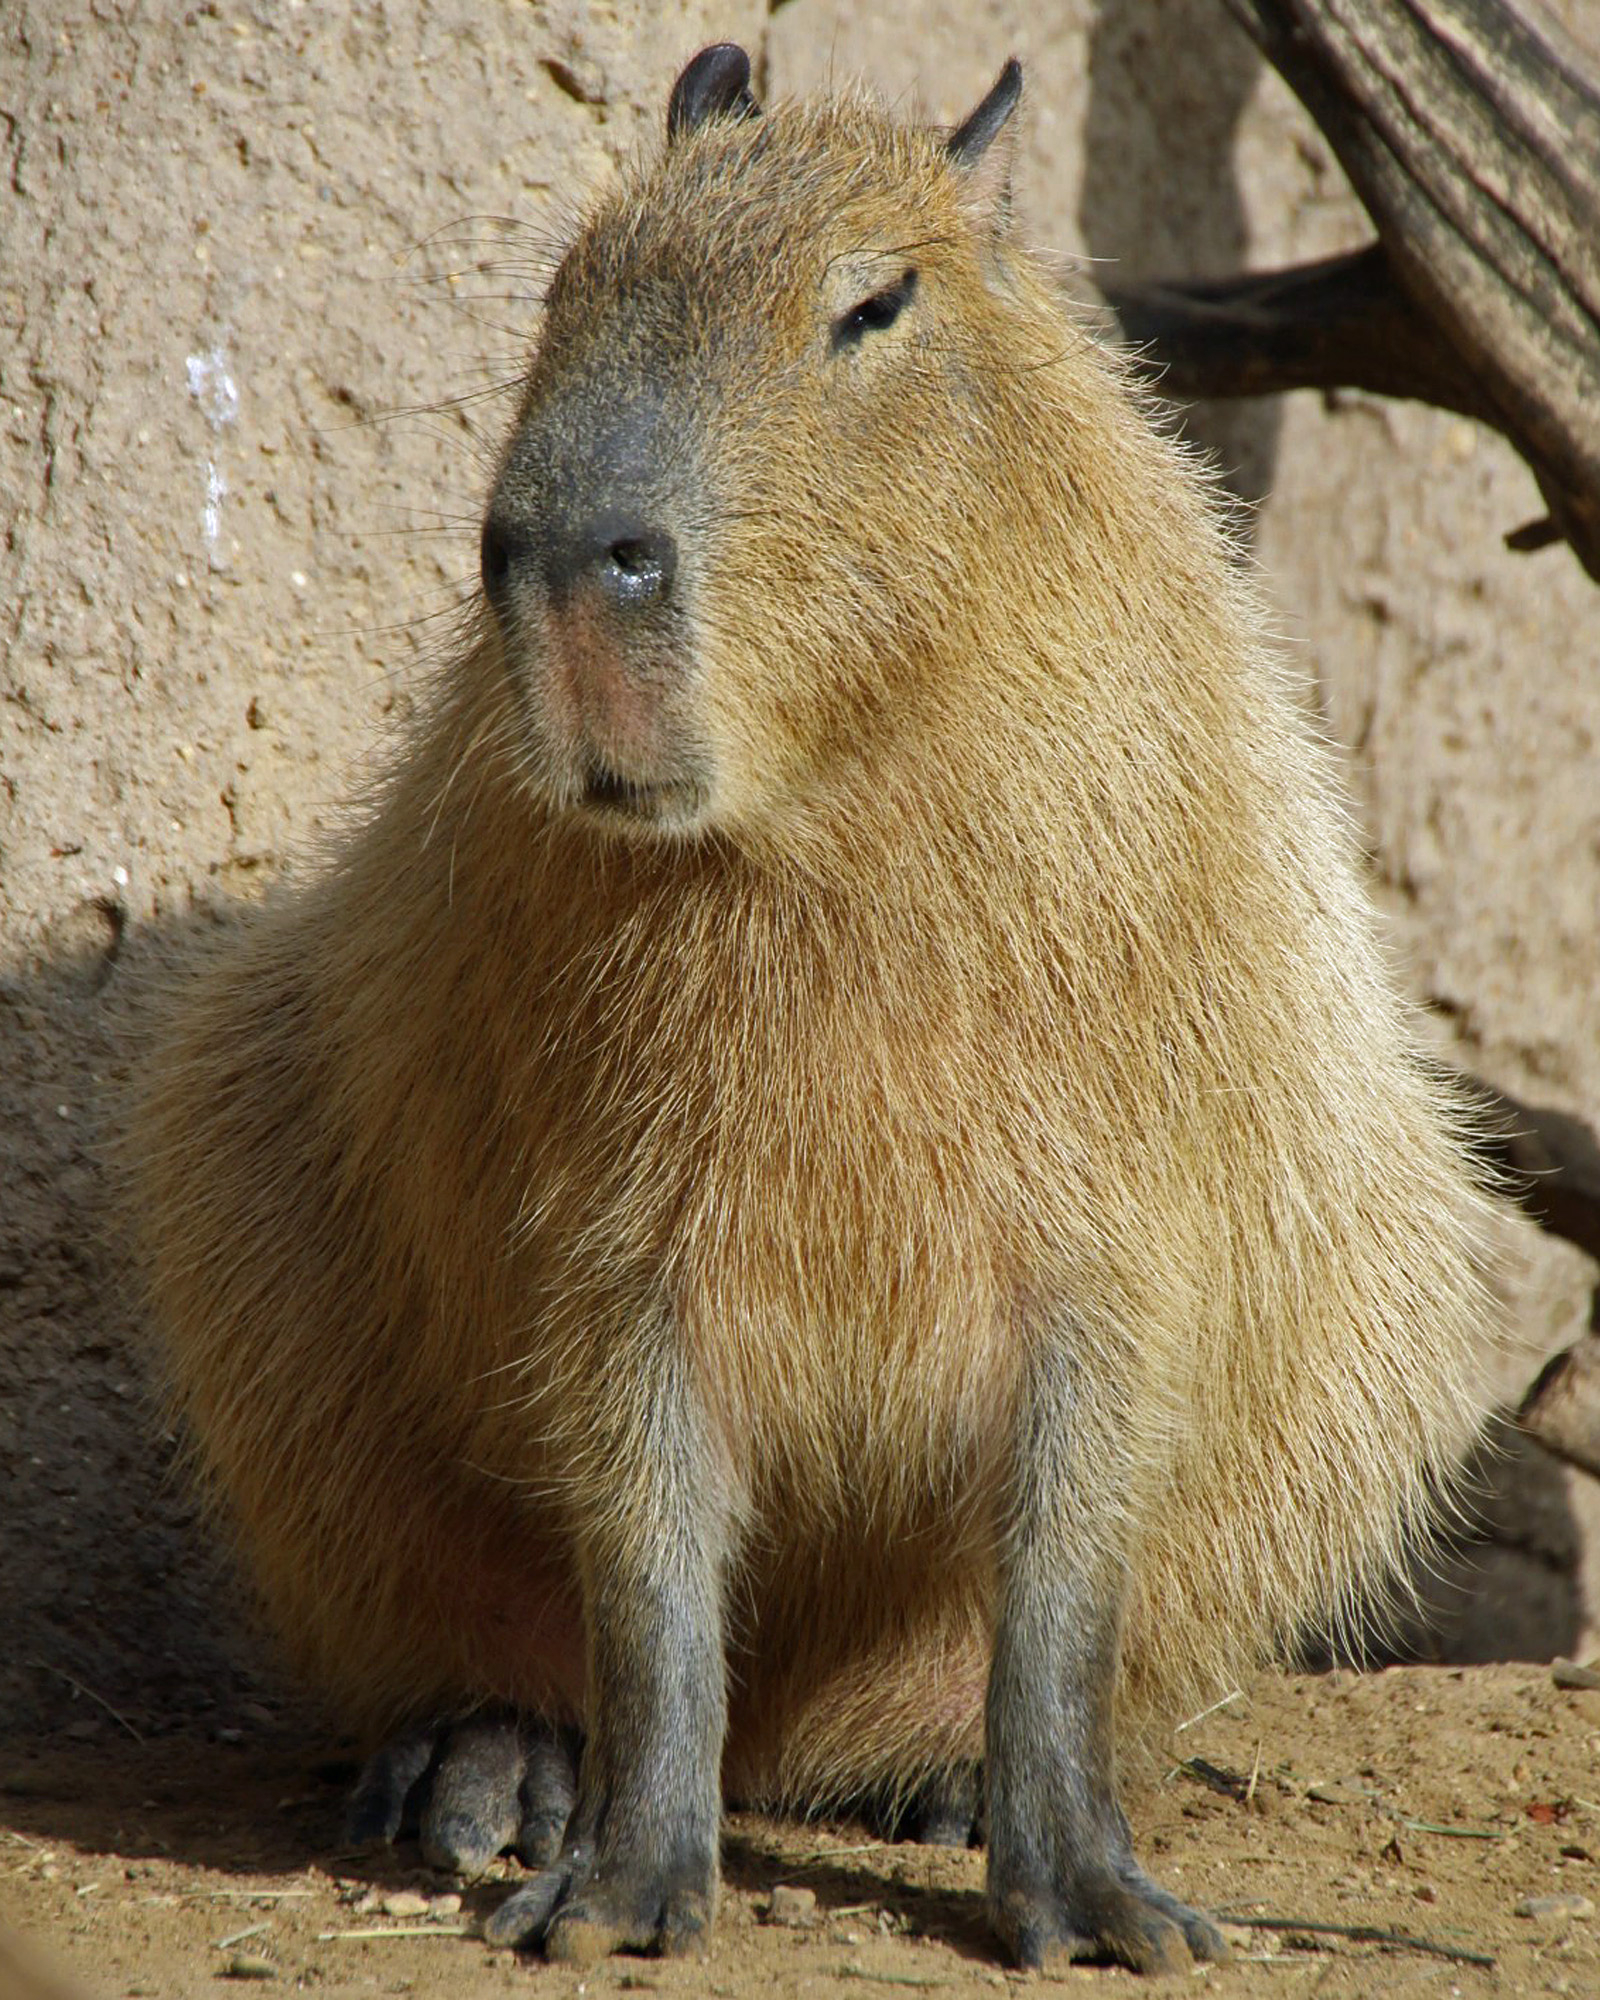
(1427, 1804)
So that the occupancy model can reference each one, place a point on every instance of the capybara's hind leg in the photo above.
(384, 1805)
(944, 1810)
(547, 1795)
(469, 1790)
(947, 1811)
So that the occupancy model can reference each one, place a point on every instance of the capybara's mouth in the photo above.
(667, 801)
(604, 787)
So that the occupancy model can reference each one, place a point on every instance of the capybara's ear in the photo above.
(714, 84)
(971, 139)
(971, 146)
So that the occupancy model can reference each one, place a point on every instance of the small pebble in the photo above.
(444, 1906)
(1245, 1940)
(1568, 1674)
(405, 1903)
(795, 1907)
(246, 1965)
(1555, 1906)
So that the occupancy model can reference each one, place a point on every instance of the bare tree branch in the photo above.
(1341, 323)
(1552, 1161)
(1562, 1409)
(1471, 131)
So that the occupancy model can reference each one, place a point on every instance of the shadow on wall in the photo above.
(1503, 1584)
(1160, 195)
(121, 1617)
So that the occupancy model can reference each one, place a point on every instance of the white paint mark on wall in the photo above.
(211, 518)
(212, 386)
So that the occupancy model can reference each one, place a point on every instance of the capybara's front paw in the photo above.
(468, 1790)
(581, 1909)
(1103, 1914)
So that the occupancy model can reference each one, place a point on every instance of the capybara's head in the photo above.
(770, 445)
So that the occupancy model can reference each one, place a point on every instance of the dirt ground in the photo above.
(1431, 1805)
(265, 272)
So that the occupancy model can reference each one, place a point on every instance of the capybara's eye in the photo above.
(873, 314)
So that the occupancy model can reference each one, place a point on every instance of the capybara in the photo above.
(833, 1185)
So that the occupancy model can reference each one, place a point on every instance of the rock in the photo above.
(1243, 1939)
(1571, 1905)
(246, 1965)
(406, 1903)
(796, 1908)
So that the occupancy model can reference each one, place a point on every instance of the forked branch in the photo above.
(1471, 131)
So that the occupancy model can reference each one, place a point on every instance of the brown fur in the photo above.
(1009, 961)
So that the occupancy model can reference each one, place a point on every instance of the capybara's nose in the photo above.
(505, 553)
(621, 555)
(629, 562)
